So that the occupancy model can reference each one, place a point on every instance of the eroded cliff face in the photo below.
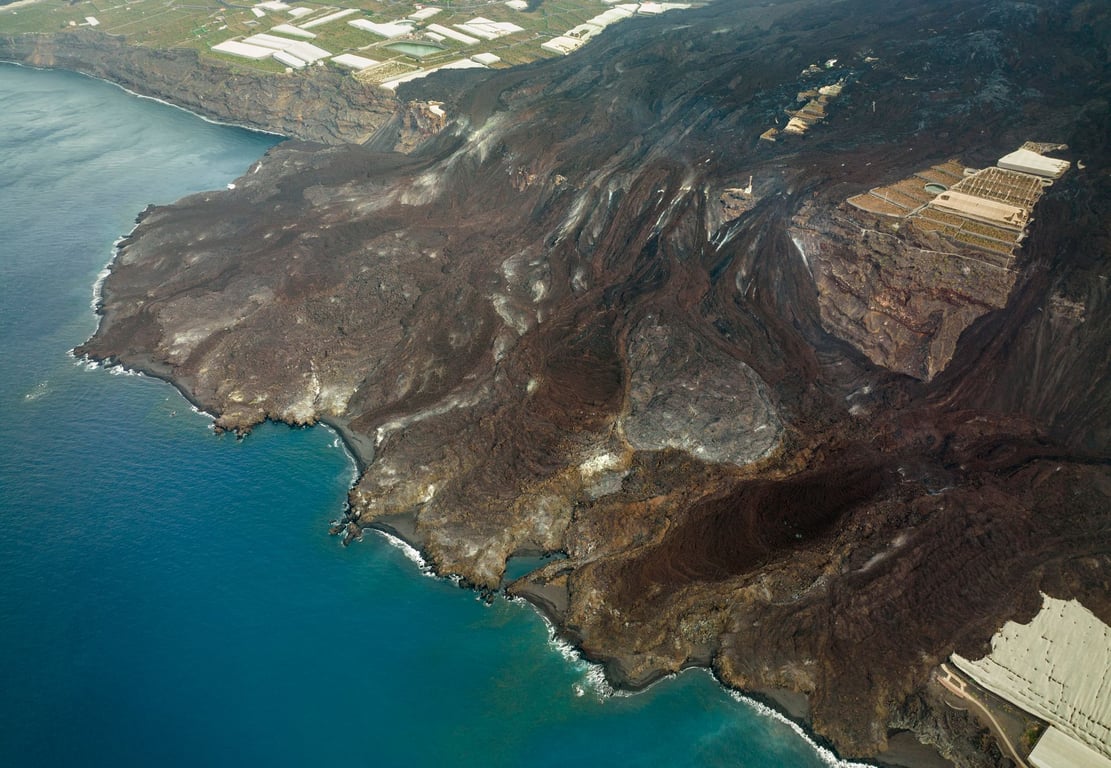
(318, 104)
(548, 332)
(902, 302)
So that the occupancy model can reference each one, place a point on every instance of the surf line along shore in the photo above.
(504, 309)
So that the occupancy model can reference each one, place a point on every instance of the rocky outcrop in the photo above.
(319, 104)
(420, 120)
(541, 333)
(954, 733)
(687, 395)
(901, 301)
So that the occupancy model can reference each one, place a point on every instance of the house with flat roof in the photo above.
(982, 209)
(1026, 161)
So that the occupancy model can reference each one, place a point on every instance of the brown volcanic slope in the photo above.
(540, 332)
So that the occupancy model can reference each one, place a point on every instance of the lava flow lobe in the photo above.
(598, 315)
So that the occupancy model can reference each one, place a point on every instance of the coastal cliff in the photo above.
(321, 105)
(548, 332)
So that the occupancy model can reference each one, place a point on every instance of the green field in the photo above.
(200, 24)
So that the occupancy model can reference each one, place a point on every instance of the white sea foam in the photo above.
(202, 412)
(119, 369)
(115, 369)
(84, 362)
(569, 653)
(40, 389)
(353, 465)
(411, 553)
(593, 678)
(824, 754)
(208, 120)
(98, 285)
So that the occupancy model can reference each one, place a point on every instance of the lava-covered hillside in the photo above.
(575, 321)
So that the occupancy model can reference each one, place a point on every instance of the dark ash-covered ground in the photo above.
(540, 333)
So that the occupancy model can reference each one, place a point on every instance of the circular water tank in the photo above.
(936, 189)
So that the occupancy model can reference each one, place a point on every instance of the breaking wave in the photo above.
(593, 676)
(113, 368)
(98, 284)
(594, 681)
(824, 753)
(413, 555)
(39, 390)
(200, 411)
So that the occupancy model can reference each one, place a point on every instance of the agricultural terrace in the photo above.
(380, 42)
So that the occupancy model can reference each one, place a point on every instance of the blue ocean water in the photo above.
(171, 597)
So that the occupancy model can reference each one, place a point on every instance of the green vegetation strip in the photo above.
(200, 24)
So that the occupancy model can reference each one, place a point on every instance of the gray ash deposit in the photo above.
(563, 325)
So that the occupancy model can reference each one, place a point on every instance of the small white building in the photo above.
(458, 37)
(426, 12)
(357, 63)
(981, 209)
(1059, 750)
(329, 18)
(487, 29)
(243, 50)
(289, 29)
(1027, 161)
(289, 59)
(562, 45)
(385, 29)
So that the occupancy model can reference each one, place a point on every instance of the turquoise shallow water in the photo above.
(171, 597)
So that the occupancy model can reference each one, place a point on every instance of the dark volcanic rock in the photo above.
(540, 332)
(687, 395)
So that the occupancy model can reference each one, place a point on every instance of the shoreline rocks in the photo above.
(481, 314)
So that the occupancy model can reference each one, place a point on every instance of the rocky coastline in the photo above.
(320, 105)
(541, 333)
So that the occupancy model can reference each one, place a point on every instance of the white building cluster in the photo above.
(288, 41)
(577, 37)
(292, 53)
